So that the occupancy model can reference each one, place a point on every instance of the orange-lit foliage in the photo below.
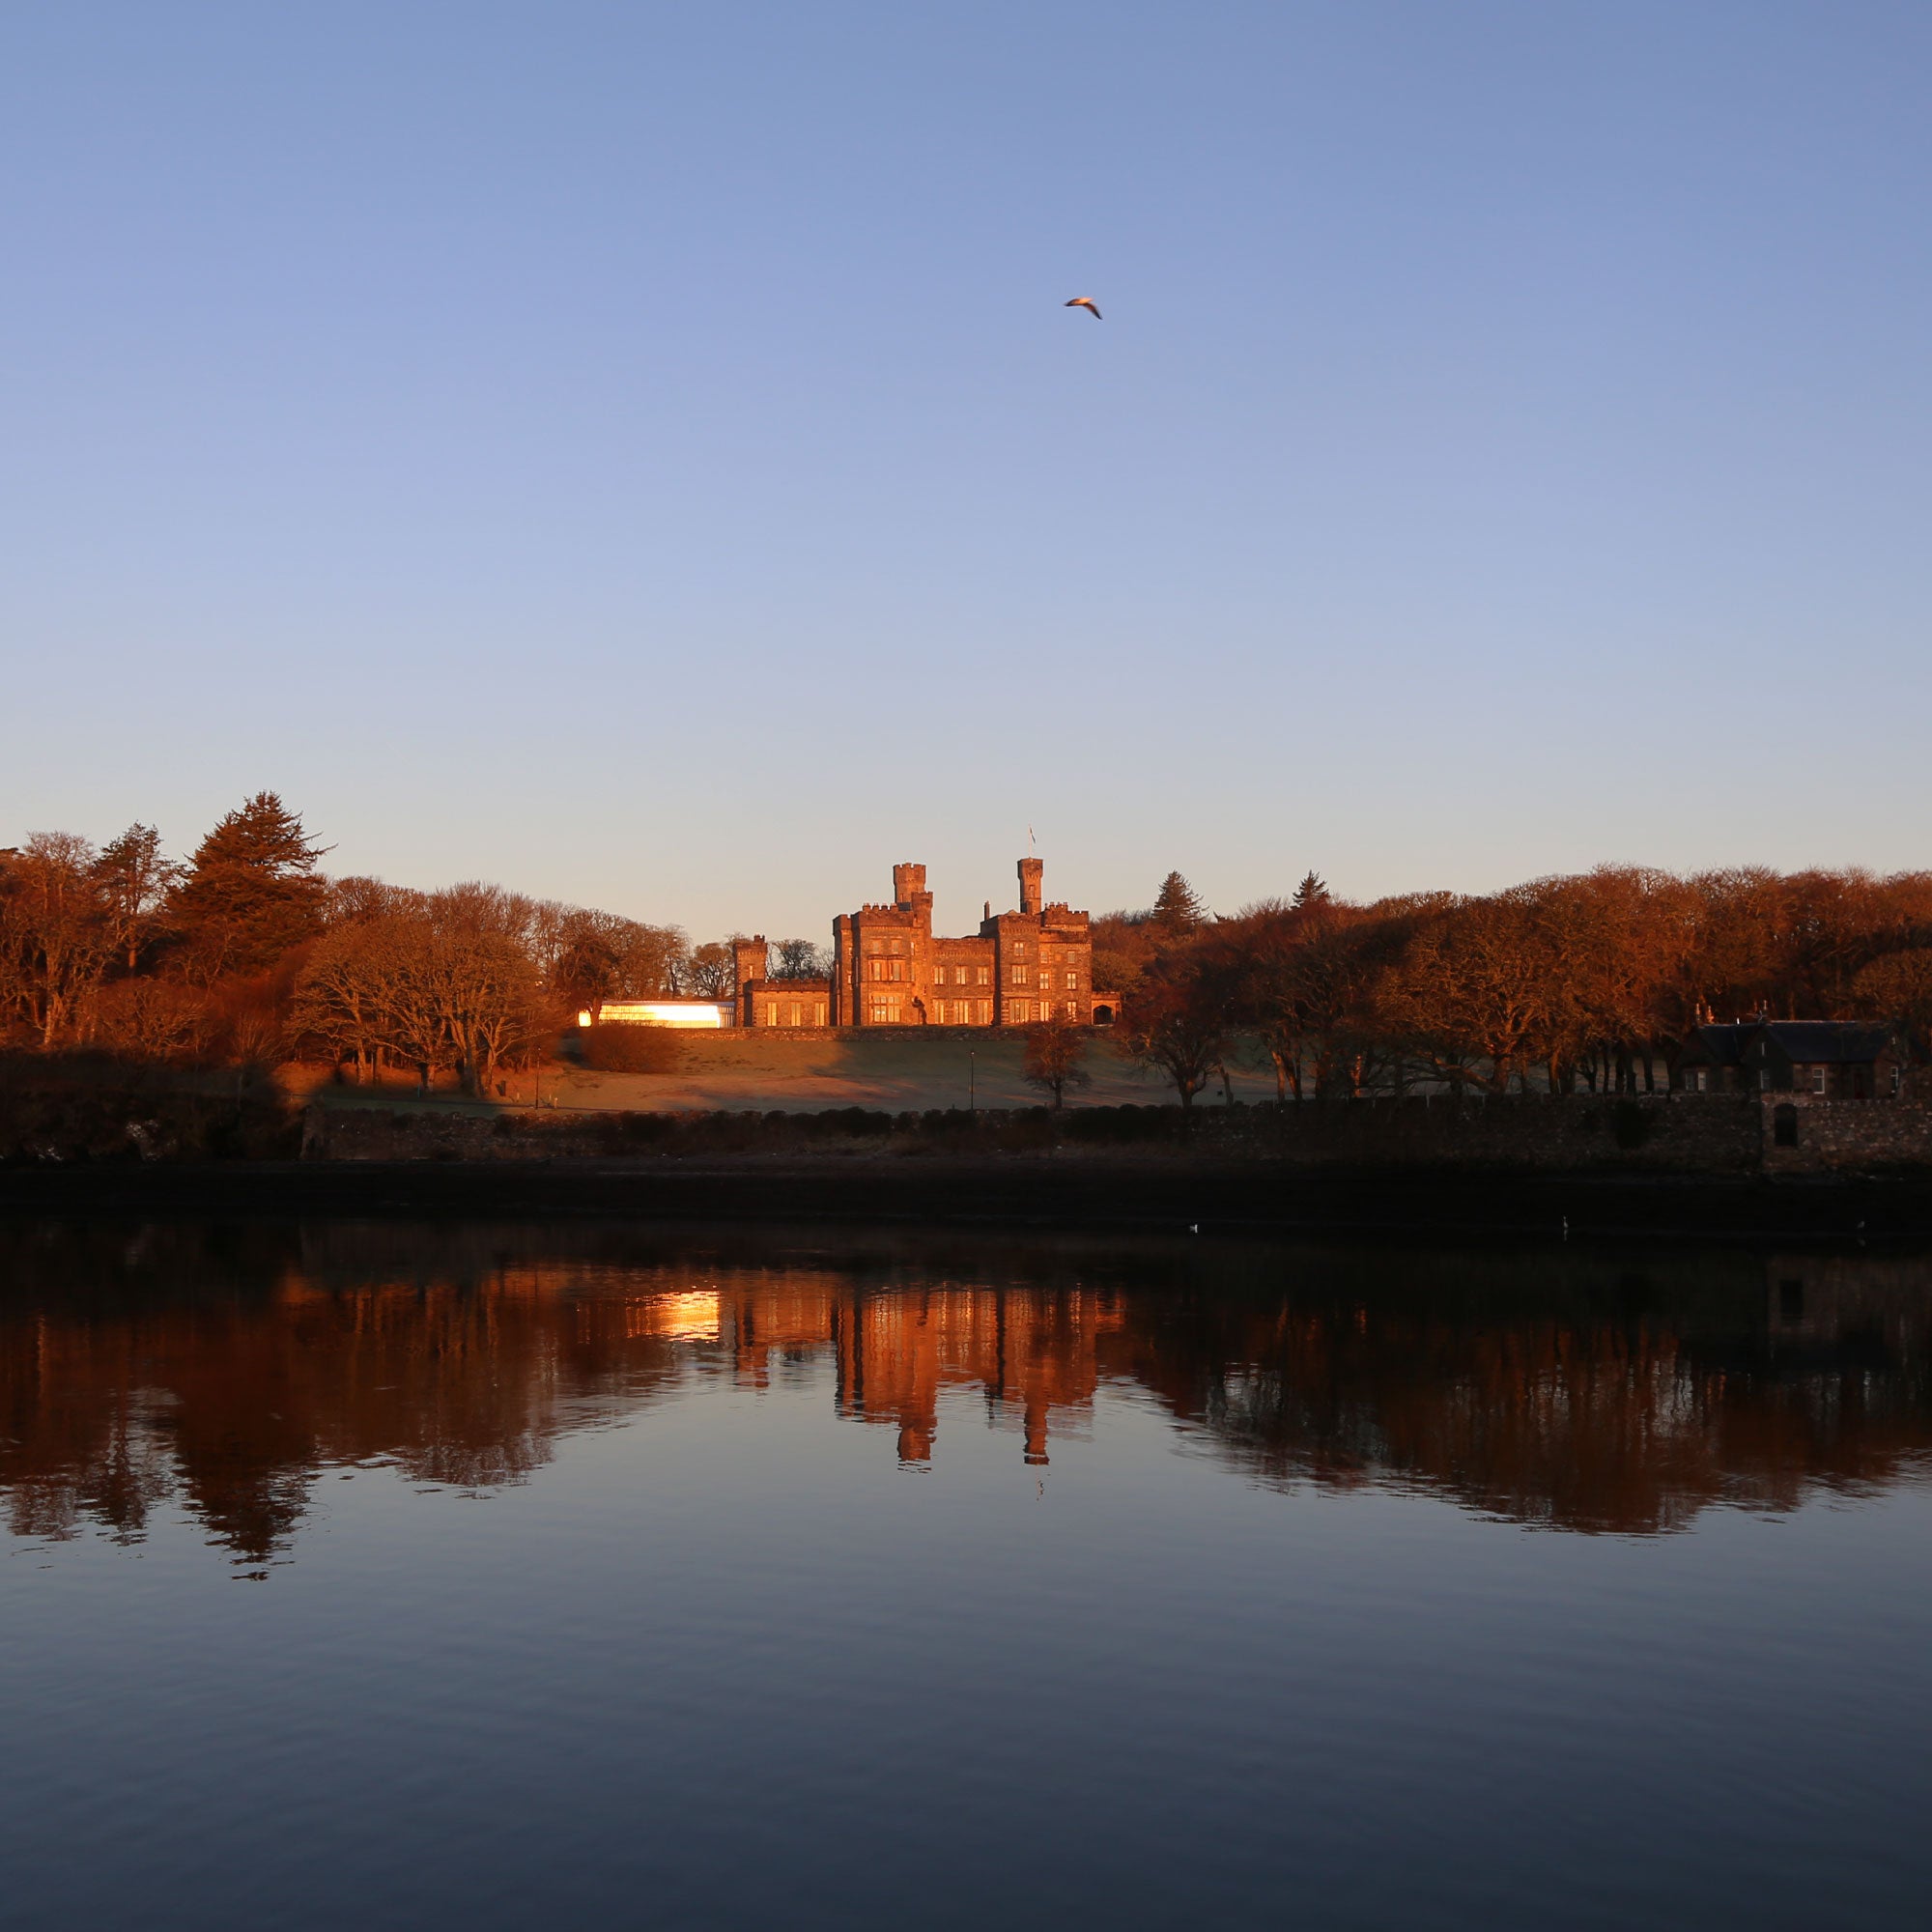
(1587, 977)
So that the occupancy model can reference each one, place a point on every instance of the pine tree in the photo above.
(1312, 892)
(251, 891)
(1178, 910)
(135, 878)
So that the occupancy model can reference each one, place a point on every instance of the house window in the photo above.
(1764, 1080)
(797, 1015)
(818, 1013)
(1817, 1080)
(1894, 1079)
(1697, 1080)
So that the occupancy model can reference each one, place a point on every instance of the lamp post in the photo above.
(972, 1080)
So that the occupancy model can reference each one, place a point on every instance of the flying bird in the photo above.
(1086, 303)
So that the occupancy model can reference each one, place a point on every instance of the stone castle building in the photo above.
(888, 969)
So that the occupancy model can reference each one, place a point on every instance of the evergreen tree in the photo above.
(1178, 911)
(135, 878)
(251, 891)
(1312, 892)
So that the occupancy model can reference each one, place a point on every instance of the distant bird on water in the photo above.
(1086, 303)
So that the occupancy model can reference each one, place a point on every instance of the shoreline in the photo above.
(1172, 1195)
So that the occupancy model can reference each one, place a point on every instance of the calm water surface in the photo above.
(387, 1576)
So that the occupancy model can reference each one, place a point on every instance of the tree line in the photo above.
(1581, 980)
(248, 951)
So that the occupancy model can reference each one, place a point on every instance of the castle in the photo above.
(887, 969)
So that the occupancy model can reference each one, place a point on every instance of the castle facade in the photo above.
(889, 970)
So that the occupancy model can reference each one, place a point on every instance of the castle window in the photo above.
(1019, 976)
(797, 1015)
(1073, 983)
(871, 946)
(983, 978)
(883, 1013)
(818, 1013)
(895, 945)
(1019, 949)
(898, 968)
(1072, 1010)
(985, 1013)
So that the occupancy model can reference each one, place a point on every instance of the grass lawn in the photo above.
(764, 1073)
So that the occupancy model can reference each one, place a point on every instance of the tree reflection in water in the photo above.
(225, 1370)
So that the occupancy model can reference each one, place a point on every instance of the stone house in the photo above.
(1837, 1060)
(890, 969)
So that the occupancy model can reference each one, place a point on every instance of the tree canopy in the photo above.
(251, 891)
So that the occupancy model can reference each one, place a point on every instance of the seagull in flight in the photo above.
(1086, 303)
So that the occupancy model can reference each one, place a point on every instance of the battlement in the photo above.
(889, 970)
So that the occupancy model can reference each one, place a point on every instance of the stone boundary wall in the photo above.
(1834, 1135)
(928, 1034)
(1714, 1135)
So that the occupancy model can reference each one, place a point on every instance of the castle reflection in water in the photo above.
(225, 1370)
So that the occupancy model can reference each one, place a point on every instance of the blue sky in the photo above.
(639, 453)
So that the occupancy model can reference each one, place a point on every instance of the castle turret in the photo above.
(909, 888)
(749, 961)
(1031, 873)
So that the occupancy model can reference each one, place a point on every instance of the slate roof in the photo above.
(1803, 1042)
(1841, 1041)
(1724, 1044)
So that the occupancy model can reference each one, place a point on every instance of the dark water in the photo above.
(378, 1576)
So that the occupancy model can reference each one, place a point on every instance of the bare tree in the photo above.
(1175, 1021)
(57, 935)
(1053, 1051)
(800, 959)
(710, 971)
